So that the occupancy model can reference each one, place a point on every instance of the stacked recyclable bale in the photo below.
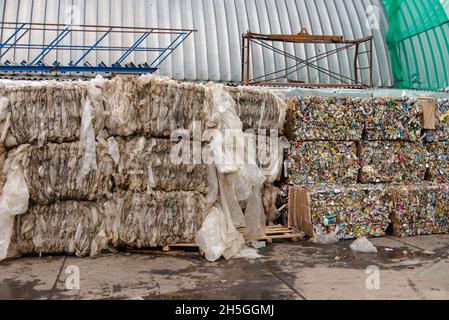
(99, 161)
(359, 196)
(324, 168)
(398, 157)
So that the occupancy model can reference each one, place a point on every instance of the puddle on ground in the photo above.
(11, 289)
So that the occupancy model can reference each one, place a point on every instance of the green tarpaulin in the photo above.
(418, 41)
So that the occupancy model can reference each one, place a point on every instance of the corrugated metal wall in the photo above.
(213, 53)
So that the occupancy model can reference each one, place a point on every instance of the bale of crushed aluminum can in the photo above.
(348, 211)
(327, 119)
(419, 209)
(390, 119)
(323, 162)
(388, 162)
(439, 161)
(441, 132)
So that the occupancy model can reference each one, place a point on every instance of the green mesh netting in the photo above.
(417, 47)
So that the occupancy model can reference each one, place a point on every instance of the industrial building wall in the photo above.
(214, 52)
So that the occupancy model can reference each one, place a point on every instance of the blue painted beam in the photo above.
(66, 69)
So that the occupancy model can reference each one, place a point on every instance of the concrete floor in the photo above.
(411, 268)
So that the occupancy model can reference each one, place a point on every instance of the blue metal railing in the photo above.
(20, 29)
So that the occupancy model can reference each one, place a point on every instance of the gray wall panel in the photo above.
(213, 53)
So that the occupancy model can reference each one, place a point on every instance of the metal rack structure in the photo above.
(280, 77)
(37, 64)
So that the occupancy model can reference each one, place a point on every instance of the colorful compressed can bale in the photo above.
(419, 209)
(355, 210)
(327, 119)
(389, 162)
(439, 161)
(313, 162)
(389, 119)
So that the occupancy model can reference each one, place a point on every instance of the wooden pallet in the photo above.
(175, 248)
(276, 233)
(272, 233)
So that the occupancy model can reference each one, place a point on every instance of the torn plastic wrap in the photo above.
(5, 117)
(387, 162)
(328, 119)
(13, 202)
(234, 173)
(393, 120)
(323, 162)
(363, 245)
(419, 209)
(87, 143)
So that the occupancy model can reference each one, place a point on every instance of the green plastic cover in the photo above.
(418, 41)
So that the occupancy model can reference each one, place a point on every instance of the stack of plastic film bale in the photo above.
(96, 162)
(78, 144)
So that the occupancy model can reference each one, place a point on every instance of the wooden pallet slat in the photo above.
(271, 233)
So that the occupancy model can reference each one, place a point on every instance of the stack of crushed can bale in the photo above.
(324, 132)
(392, 175)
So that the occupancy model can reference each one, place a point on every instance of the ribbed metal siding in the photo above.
(213, 53)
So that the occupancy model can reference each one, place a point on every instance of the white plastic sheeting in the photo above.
(238, 179)
(213, 53)
(13, 201)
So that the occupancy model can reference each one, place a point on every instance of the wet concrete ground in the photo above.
(410, 268)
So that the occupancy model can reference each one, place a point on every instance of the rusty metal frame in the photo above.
(304, 37)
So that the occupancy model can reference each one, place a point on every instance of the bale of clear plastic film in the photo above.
(156, 107)
(148, 164)
(105, 165)
(327, 119)
(348, 211)
(441, 132)
(439, 161)
(313, 162)
(51, 172)
(388, 161)
(419, 209)
(127, 219)
(389, 119)
(48, 111)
